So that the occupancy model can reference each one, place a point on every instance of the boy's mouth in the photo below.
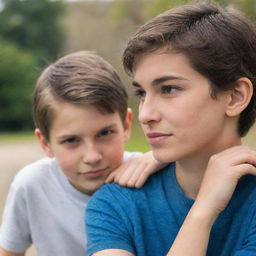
(95, 173)
(157, 137)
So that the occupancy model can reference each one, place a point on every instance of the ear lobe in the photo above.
(44, 143)
(128, 124)
(239, 97)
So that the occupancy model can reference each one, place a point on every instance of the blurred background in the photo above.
(34, 33)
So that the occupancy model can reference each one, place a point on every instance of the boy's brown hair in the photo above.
(220, 43)
(81, 78)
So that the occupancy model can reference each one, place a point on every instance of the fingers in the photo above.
(235, 156)
(110, 177)
(135, 171)
(142, 179)
(130, 175)
(126, 173)
(244, 169)
(222, 175)
(130, 178)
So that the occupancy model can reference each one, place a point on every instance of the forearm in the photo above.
(220, 180)
(193, 236)
(7, 253)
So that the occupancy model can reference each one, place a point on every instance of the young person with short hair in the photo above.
(82, 122)
(194, 71)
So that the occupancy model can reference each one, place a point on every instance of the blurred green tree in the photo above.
(34, 25)
(142, 10)
(131, 11)
(249, 7)
(17, 76)
(31, 35)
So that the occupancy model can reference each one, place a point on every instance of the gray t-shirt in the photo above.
(43, 208)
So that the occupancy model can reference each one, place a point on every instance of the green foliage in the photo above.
(156, 7)
(130, 11)
(17, 77)
(143, 10)
(137, 141)
(249, 7)
(34, 25)
(30, 35)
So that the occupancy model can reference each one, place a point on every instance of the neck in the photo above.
(190, 170)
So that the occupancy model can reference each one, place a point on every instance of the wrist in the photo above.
(203, 215)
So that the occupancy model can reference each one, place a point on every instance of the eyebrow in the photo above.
(66, 135)
(112, 125)
(160, 80)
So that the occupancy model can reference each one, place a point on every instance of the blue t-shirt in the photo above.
(146, 221)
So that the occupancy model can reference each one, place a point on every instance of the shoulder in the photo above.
(113, 193)
(35, 173)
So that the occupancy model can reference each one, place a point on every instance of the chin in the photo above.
(163, 157)
(160, 157)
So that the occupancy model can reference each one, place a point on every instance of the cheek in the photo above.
(195, 112)
(114, 154)
(67, 163)
(203, 124)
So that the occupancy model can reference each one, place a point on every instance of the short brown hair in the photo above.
(220, 43)
(81, 78)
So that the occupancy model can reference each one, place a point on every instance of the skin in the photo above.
(183, 123)
(87, 151)
(82, 148)
(7, 253)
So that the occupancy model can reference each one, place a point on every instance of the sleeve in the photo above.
(15, 231)
(127, 155)
(108, 223)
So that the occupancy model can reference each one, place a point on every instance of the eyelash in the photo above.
(139, 93)
(105, 133)
(69, 140)
(165, 89)
(73, 140)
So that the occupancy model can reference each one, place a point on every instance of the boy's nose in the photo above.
(148, 112)
(92, 155)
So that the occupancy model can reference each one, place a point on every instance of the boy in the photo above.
(81, 119)
(194, 71)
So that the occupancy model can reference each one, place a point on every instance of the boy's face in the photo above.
(178, 115)
(87, 144)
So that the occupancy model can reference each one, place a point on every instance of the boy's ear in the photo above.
(44, 143)
(239, 97)
(128, 124)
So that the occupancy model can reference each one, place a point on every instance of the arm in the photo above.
(219, 182)
(112, 252)
(15, 232)
(136, 170)
(7, 253)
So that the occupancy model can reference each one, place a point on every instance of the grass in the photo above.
(13, 137)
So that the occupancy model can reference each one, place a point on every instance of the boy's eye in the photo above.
(70, 140)
(168, 89)
(140, 93)
(105, 133)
